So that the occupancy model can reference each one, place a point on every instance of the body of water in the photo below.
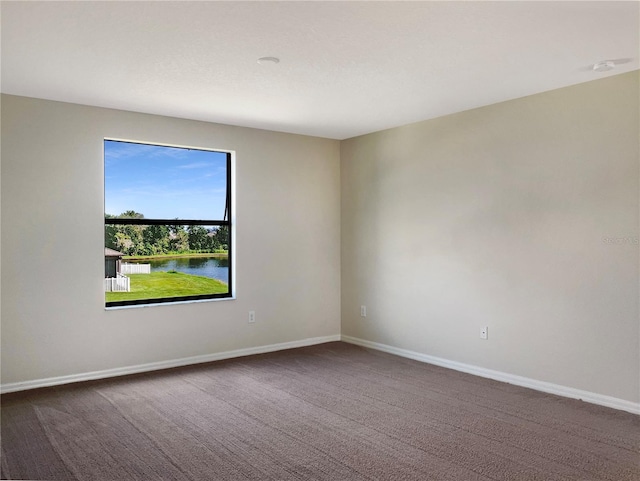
(212, 267)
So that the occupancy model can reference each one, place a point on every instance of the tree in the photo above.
(222, 237)
(212, 241)
(140, 239)
(156, 239)
(179, 241)
(131, 214)
(197, 237)
(175, 228)
(124, 243)
(134, 234)
(110, 232)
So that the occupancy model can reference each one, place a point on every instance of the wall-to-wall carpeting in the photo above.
(328, 412)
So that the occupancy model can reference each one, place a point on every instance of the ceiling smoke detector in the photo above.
(268, 60)
(604, 66)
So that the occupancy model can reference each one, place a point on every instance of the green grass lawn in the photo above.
(167, 284)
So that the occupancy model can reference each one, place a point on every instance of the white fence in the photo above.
(135, 268)
(117, 284)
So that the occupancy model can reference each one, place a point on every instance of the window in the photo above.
(168, 231)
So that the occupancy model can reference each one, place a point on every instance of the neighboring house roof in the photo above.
(111, 253)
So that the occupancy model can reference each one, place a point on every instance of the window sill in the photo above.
(156, 304)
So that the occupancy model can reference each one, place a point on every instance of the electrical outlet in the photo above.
(252, 316)
(363, 311)
(484, 333)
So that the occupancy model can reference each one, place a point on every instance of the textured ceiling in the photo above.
(346, 68)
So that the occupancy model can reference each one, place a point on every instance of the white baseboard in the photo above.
(155, 366)
(547, 387)
(543, 386)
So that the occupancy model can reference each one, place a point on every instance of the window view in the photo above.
(167, 224)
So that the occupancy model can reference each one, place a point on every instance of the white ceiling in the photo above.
(346, 68)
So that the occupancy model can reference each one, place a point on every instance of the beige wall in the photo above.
(500, 216)
(53, 317)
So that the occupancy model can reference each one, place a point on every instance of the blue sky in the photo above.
(164, 182)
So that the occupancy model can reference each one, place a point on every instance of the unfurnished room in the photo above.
(320, 240)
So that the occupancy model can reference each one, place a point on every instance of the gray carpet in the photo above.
(328, 412)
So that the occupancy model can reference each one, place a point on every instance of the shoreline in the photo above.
(174, 256)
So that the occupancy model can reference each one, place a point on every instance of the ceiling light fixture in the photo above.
(604, 66)
(268, 60)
